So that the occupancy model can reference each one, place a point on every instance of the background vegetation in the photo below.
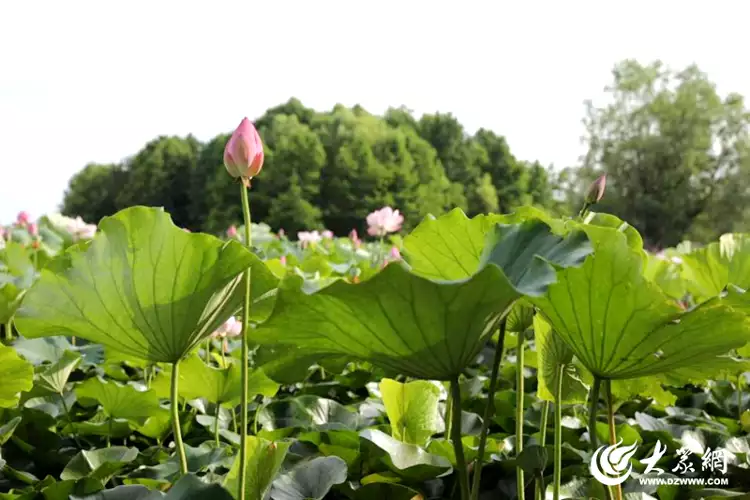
(675, 151)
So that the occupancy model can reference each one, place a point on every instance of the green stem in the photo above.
(70, 421)
(593, 406)
(245, 350)
(216, 423)
(520, 481)
(208, 351)
(611, 424)
(557, 473)
(448, 415)
(176, 419)
(739, 397)
(463, 477)
(109, 431)
(9, 330)
(542, 441)
(488, 412)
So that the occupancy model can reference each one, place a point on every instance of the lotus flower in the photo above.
(282, 259)
(327, 234)
(78, 229)
(230, 328)
(307, 237)
(596, 190)
(243, 154)
(232, 231)
(33, 229)
(23, 218)
(384, 221)
(395, 254)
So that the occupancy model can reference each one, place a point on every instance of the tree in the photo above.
(90, 192)
(675, 153)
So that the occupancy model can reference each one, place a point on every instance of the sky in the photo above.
(93, 81)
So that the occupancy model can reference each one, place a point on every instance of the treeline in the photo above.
(322, 169)
(676, 155)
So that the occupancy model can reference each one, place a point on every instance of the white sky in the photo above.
(85, 81)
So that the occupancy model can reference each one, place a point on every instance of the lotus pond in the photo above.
(500, 356)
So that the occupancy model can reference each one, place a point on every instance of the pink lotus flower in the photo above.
(307, 237)
(384, 221)
(243, 154)
(78, 229)
(23, 218)
(232, 231)
(282, 259)
(230, 328)
(327, 234)
(395, 254)
(33, 229)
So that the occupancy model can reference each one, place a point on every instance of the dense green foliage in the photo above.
(321, 170)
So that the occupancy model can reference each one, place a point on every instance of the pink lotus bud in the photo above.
(243, 154)
(327, 234)
(384, 221)
(353, 235)
(232, 231)
(596, 190)
(395, 254)
(282, 259)
(33, 230)
(232, 327)
(23, 218)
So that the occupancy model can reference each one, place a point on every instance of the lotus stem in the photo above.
(463, 477)
(557, 473)
(593, 406)
(245, 350)
(739, 397)
(488, 411)
(207, 354)
(542, 441)
(70, 421)
(9, 330)
(520, 481)
(611, 424)
(176, 419)
(216, 423)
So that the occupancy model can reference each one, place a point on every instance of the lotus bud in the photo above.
(395, 254)
(243, 154)
(596, 190)
(33, 230)
(232, 231)
(282, 259)
(23, 218)
(327, 234)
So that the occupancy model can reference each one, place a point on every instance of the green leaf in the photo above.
(620, 325)
(412, 409)
(632, 235)
(389, 491)
(16, 276)
(120, 401)
(7, 429)
(190, 487)
(264, 459)
(309, 480)
(552, 351)
(709, 269)
(99, 464)
(54, 377)
(307, 412)
(127, 492)
(17, 376)
(533, 460)
(343, 444)
(520, 318)
(666, 274)
(217, 385)
(143, 286)
(413, 325)
(52, 349)
(407, 460)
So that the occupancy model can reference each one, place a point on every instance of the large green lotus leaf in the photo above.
(407, 460)
(552, 351)
(451, 247)
(310, 480)
(610, 221)
(620, 325)
(416, 326)
(217, 385)
(307, 412)
(709, 269)
(16, 376)
(54, 377)
(16, 276)
(100, 464)
(664, 270)
(143, 286)
(412, 409)
(264, 459)
(120, 401)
